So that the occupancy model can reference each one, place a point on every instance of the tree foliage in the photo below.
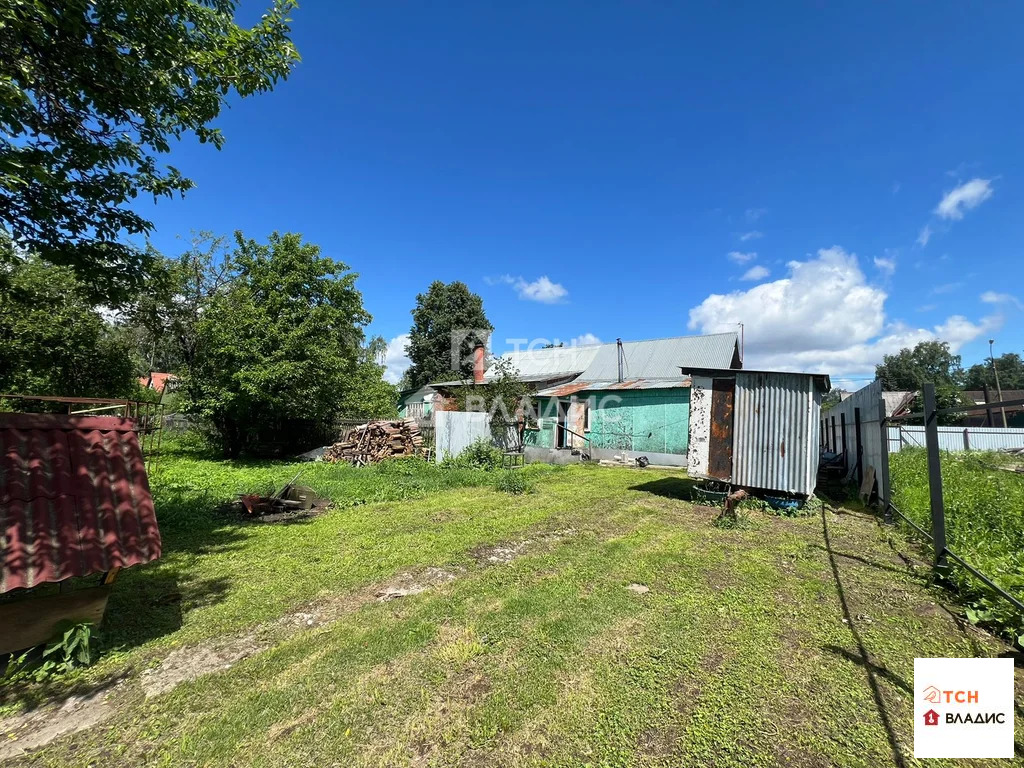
(1011, 373)
(52, 340)
(92, 92)
(448, 322)
(278, 349)
(929, 361)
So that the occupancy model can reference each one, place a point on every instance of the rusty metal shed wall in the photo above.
(74, 498)
(775, 443)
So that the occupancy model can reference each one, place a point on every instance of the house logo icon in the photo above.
(931, 717)
(932, 695)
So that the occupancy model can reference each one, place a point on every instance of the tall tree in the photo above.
(1011, 373)
(164, 315)
(278, 351)
(447, 323)
(52, 340)
(92, 92)
(929, 361)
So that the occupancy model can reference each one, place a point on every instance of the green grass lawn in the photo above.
(788, 642)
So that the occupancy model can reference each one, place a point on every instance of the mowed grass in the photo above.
(787, 643)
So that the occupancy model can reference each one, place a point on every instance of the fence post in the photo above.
(860, 447)
(967, 439)
(931, 439)
(882, 471)
(842, 437)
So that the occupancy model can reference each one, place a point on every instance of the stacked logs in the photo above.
(375, 441)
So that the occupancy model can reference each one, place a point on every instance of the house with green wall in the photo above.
(619, 401)
(416, 403)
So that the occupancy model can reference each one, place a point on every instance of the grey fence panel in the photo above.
(454, 431)
(957, 438)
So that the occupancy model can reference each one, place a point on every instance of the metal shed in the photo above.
(756, 429)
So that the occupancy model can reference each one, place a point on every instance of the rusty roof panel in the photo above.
(74, 498)
(574, 387)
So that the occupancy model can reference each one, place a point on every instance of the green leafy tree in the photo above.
(163, 318)
(53, 341)
(1011, 373)
(278, 353)
(929, 361)
(92, 92)
(448, 322)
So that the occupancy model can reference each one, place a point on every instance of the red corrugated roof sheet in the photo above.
(74, 498)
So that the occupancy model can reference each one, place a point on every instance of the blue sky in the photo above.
(613, 169)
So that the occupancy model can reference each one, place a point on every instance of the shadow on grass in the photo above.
(669, 487)
(862, 657)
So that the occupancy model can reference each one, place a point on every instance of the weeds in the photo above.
(514, 482)
(984, 525)
(70, 651)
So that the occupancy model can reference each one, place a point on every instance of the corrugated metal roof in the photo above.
(821, 380)
(574, 387)
(74, 498)
(662, 358)
(548, 362)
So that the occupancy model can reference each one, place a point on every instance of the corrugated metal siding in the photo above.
(775, 443)
(74, 498)
(952, 438)
(455, 431)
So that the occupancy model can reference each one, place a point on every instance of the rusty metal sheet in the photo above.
(74, 498)
(720, 448)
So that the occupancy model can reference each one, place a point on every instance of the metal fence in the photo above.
(455, 431)
(956, 438)
(936, 536)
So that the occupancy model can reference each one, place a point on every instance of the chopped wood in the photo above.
(377, 440)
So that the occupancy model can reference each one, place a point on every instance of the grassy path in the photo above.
(789, 643)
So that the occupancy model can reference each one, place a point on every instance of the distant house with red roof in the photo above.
(160, 382)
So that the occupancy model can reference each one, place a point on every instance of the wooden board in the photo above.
(720, 446)
(34, 620)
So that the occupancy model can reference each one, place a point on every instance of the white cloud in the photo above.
(542, 289)
(583, 340)
(991, 297)
(751, 235)
(753, 214)
(968, 195)
(824, 316)
(924, 235)
(740, 257)
(885, 265)
(396, 358)
(755, 273)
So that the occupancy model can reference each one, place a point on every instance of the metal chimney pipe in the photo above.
(618, 349)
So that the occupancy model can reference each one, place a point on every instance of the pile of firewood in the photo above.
(377, 440)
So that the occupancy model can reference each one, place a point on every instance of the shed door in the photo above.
(720, 446)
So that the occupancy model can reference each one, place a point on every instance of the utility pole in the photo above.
(999, 390)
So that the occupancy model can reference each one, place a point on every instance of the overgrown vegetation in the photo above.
(984, 525)
(480, 454)
(514, 482)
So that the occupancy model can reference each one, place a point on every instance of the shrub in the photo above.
(481, 454)
(514, 482)
(71, 650)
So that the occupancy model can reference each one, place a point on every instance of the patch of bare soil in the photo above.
(187, 664)
(39, 727)
(413, 583)
(505, 552)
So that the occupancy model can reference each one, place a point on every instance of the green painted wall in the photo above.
(653, 420)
